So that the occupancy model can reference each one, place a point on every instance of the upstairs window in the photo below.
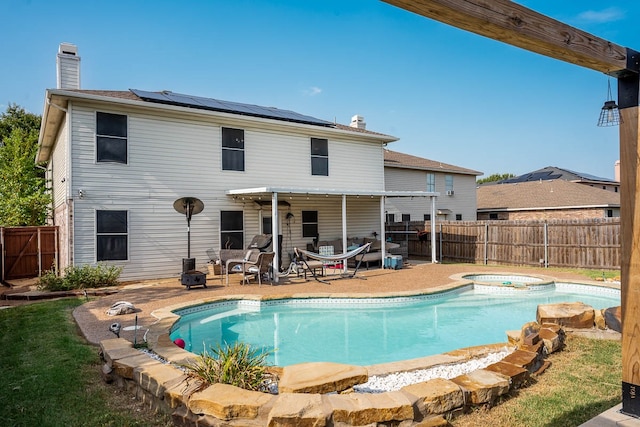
(111, 236)
(232, 149)
(427, 217)
(310, 224)
(431, 182)
(391, 218)
(111, 138)
(448, 183)
(232, 229)
(406, 217)
(319, 157)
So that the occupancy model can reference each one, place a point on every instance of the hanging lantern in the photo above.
(610, 114)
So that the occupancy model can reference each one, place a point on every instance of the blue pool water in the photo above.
(376, 330)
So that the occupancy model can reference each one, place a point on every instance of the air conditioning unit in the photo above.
(449, 192)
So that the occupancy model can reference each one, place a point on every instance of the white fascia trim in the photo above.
(333, 192)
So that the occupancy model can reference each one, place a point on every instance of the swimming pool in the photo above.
(367, 331)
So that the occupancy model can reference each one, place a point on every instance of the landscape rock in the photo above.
(599, 320)
(226, 402)
(571, 315)
(528, 360)
(482, 386)
(321, 377)
(360, 409)
(528, 330)
(436, 396)
(298, 410)
(517, 374)
(613, 318)
(552, 341)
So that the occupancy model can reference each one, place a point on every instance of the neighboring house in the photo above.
(117, 161)
(456, 185)
(542, 200)
(551, 172)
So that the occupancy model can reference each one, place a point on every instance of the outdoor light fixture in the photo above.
(609, 115)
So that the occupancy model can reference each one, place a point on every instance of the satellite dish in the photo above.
(189, 206)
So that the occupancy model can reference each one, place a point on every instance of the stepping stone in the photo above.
(321, 377)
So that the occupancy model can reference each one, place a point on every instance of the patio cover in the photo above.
(274, 192)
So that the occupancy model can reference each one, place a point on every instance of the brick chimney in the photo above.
(68, 66)
(616, 171)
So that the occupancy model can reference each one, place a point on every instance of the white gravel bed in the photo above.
(393, 382)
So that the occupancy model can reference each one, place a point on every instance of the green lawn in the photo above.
(51, 376)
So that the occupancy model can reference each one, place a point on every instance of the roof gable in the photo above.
(407, 161)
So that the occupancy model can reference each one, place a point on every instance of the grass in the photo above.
(51, 376)
(584, 380)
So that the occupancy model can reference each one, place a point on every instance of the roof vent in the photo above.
(68, 67)
(358, 122)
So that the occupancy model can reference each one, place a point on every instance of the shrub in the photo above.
(236, 364)
(80, 277)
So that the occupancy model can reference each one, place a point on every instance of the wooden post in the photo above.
(630, 230)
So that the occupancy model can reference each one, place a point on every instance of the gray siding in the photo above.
(463, 201)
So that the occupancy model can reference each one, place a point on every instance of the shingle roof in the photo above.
(554, 172)
(128, 94)
(551, 194)
(401, 160)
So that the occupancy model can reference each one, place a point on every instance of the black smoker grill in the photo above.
(190, 206)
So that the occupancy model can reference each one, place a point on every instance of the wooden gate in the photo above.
(28, 251)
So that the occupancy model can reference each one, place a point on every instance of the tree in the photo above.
(495, 177)
(24, 199)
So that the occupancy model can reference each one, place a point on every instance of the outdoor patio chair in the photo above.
(236, 265)
(261, 266)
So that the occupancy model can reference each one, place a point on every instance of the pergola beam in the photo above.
(516, 25)
(509, 22)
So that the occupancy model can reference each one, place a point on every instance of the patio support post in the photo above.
(628, 88)
(275, 233)
(382, 231)
(344, 230)
(433, 230)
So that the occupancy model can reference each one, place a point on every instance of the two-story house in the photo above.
(456, 186)
(118, 160)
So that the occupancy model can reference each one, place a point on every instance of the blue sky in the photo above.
(449, 95)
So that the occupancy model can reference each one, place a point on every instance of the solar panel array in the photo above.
(172, 98)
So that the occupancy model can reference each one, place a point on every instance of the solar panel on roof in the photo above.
(227, 106)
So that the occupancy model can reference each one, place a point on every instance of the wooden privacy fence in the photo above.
(581, 243)
(28, 251)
